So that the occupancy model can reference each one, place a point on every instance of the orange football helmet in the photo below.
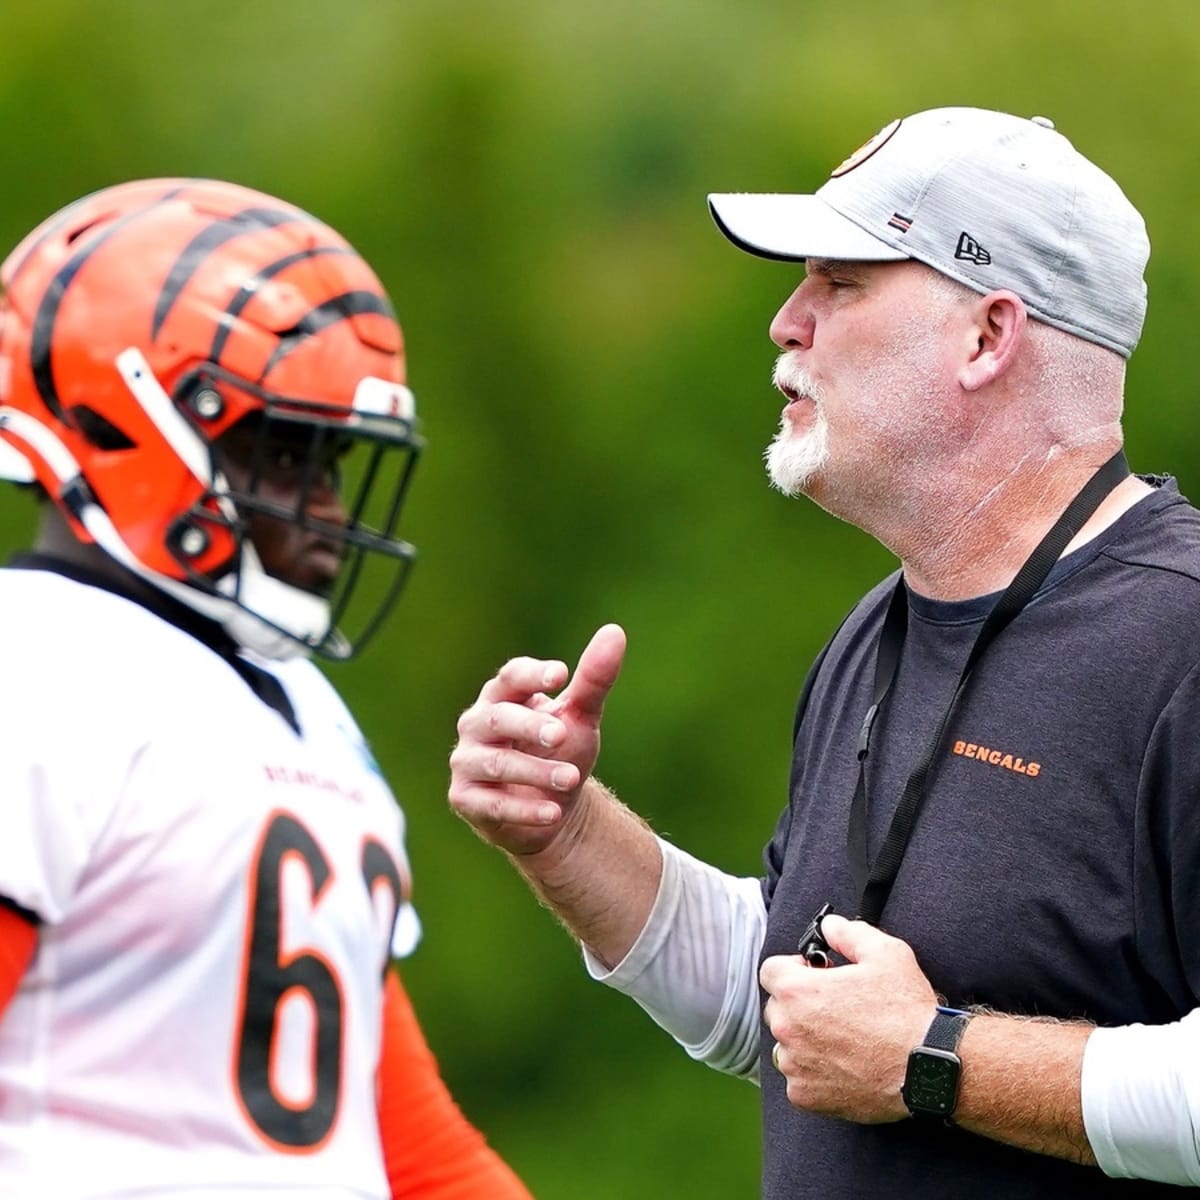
(141, 323)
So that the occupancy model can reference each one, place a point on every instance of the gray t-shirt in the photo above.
(1053, 868)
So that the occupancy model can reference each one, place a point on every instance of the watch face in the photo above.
(931, 1083)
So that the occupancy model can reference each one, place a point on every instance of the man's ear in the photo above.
(997, 331)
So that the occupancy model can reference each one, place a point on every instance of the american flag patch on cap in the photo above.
(904, 224)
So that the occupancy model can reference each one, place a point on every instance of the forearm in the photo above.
(693, 966)
(1021, 1084)
(1021, 1076)
(600, 875)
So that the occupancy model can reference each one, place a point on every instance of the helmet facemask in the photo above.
(311, 497)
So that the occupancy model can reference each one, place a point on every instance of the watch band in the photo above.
(946, 1028)
(931, 1079)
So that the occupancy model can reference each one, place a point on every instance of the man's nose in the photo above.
(325, 502)
(792, 328)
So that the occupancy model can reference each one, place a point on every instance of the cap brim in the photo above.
(791, 228)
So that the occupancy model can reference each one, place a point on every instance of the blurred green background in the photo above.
(591, 359)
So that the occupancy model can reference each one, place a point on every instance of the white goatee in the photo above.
(792, 458)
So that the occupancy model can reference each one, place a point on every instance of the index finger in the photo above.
(780, 970)
(522, 678)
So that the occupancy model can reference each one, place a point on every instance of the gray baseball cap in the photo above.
(992, 200)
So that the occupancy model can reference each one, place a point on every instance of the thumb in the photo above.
(856, 941)
(597, 671)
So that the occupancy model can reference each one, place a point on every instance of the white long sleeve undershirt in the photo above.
(694, 969)
(1141, 1100)
(694, 966)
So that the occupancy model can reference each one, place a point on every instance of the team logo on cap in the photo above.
(866, 150)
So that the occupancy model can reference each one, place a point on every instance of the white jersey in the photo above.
(216, 895)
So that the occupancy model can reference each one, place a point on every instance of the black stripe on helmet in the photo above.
(42, 336)
(249, 290)
(338, 308)
(211, 238)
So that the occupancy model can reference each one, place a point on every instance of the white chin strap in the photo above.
(299, 620)
(270, 617)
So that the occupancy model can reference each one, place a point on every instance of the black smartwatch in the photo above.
(934, 1069)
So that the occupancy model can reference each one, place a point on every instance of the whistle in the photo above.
(813, 947)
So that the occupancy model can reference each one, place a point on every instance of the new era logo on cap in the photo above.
(970, 250)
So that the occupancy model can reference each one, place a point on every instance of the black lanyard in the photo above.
(874, 882)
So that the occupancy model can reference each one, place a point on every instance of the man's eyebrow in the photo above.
(828, 266)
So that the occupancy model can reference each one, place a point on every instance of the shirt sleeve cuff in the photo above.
(1141, 1100)
(693, 965)
(623, 977)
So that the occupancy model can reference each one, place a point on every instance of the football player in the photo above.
(203, 881)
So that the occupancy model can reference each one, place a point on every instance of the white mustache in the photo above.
(789, 376)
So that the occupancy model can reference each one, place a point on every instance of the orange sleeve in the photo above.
(18, 940)
(431, 1151)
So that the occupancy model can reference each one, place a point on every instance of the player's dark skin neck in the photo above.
(55, 537)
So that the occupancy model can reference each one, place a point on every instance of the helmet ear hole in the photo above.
(99, 430)
(75, 234)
